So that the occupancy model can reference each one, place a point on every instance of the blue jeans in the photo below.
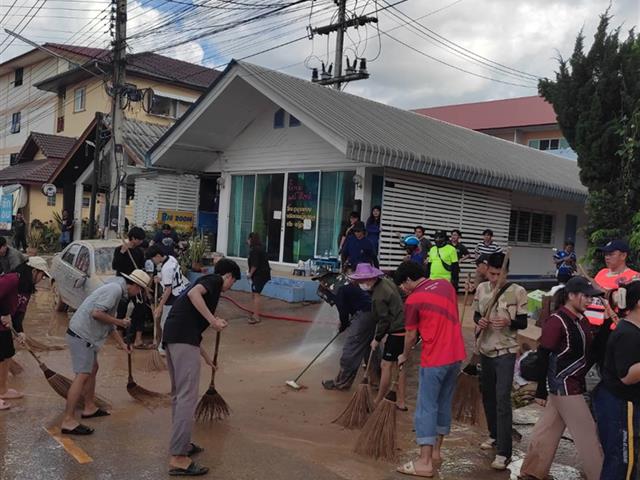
(619, 430)
(433, 411)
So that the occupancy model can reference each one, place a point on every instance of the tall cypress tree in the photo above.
(596, 96)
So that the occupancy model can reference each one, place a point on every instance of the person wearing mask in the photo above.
(565, 260)
(10, 258)
(15, 289)
(431, 309)
(20, 233)
(487, 246)
(172, 282)
(353, 222)
(565, 355)
(354, 309)
(88, 330)
(463, 255)
(388, 314)
(373, 227)
(126, 259)
(497, 344)
(66, 230)
(616, 400)
(414, 251)
(443, 258)
(166, 239)
(259, 273)
(358, 249)
(190, 316)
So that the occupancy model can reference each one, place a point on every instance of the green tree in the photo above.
(596, 96)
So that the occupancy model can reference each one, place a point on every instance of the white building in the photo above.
(294, 158)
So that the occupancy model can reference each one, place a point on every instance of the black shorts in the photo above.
(6, 345)
(393, 348)
(257, 284)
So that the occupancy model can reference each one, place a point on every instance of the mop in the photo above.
(212, 406)
(294, 383)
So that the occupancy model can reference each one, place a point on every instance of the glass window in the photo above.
(530, 227)
(83, 260)
(524, 223)
(240, 214)
(15, 122)
(19, 74)
(79, 99)
(293, 121)
(267, 221)
(554, 144)
(534, 144)
(564, 144)
(13, 158)
(301, 216)
(278, 119)
(70, 254)
(337, 193)
(544, 144)
(102, 259)
(163, 106)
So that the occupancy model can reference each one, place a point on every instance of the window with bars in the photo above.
(18, 76)
(15, 122)
(531, 227)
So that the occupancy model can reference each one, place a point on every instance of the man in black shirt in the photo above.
(126, 259)
(192, 313)
(20, 233)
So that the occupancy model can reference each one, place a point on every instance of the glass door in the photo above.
(240, 214)
(267, 221)
(301, 215)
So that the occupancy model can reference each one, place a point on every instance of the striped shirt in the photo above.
(484, 249)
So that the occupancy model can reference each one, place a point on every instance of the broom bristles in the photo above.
(212, 407)
(62, 384)
(466, 406)
(148, 398)
(358, 409)
(38, 346)
(378, 437)
(156, 363)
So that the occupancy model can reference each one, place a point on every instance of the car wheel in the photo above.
(58, 304)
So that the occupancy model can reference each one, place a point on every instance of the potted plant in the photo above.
(197, 249)
(35, 240)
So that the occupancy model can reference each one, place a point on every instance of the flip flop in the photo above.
(192, 470)
(194, 450)
(4, 405)
(409, 468)
(11, 394)
(254, 321)
(402, 409)
(79, 430)
(98, 413)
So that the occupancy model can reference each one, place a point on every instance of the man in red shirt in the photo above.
(432, 309)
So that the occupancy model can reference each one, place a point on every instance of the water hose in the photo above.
(270, 316)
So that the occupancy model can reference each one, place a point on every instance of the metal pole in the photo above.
(337, 71)
(96, 171)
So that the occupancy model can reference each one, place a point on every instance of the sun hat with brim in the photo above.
(39, 263)
(579, 284)
(365, 271)
(614, 245)
(139, 277)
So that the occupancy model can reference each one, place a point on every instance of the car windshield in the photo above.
(103, 259)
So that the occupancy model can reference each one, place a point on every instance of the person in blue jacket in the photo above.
(358, 249)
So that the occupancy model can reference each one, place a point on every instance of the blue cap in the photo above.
(411, 241)
(614, 245)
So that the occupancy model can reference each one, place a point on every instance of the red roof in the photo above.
(89, 52)
(507, 113)
(35, 171)
(52, 146)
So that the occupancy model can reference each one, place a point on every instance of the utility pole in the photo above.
(337, 78)
(115, 219)
(96, 172)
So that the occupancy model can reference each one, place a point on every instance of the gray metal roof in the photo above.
(139, 137)
(389, 136)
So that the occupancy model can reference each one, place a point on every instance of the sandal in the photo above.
(98, 413)
(11, 394)
(194, 450)
(4, 405)
(192, 470)
(402, 409)
(254, 320)
(79, 430)
(409, 468)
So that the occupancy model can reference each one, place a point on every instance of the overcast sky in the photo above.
(502, 35)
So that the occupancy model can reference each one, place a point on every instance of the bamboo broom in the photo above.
(149, 399)
(155, 363)
(361, 404)
(212, 406)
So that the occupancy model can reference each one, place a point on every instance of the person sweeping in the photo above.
(191, 314)
(432, 310)
(89, 327)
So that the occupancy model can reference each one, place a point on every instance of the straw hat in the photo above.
(139, 277)
(39, 263)
(365, 271)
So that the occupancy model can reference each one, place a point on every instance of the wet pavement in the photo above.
(272, 433)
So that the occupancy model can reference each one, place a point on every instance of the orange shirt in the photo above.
(611, 281)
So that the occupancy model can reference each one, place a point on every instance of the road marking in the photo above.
(69, 445)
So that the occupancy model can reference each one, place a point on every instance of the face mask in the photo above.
(365, 287)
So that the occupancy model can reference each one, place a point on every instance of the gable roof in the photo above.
(144, 64)
(374, 133)
(495, 114)
(52, 146)
(35, 172)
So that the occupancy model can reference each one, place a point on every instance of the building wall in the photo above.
(537, 259)
(37, 207)
(97, 100)
(37, 107)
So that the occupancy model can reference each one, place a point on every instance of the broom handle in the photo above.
(466, 296)
(316, 357)
(129, 367)
(129, 252)
(366, 371)
(215, 357)
(26, 345)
